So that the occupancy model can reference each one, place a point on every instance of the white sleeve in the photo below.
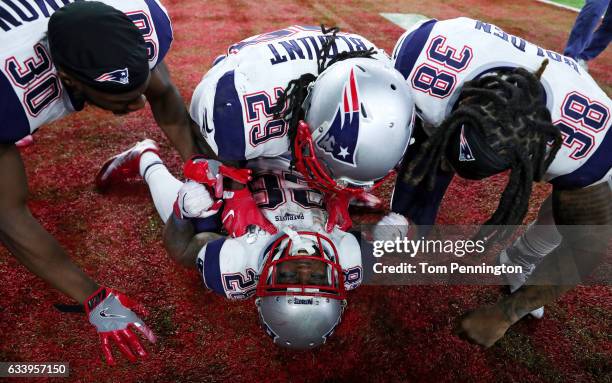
(350, 260)
(225, 267)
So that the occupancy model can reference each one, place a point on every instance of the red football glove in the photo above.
(241, 211)
(239, 175)
(109, 311)
(337, 208)
(196, 169)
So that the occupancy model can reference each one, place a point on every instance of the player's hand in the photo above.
(241, 211)
(483, 326)
(194, 201)
(197, 169)
(109, 311)
(337, 208)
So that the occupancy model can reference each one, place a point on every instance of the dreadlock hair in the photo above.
(296, 90)
(508, 111)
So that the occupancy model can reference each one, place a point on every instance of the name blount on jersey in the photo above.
(293, 50)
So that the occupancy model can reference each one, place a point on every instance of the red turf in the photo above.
(387, 334)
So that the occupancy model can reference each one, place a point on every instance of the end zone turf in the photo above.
(388, 333)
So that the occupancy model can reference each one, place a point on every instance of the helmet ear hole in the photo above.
(363, 111)
(393, 87)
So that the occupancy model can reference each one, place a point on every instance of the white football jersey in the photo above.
(233, 104)
(31, 93)
(231, 266)
(437, 57)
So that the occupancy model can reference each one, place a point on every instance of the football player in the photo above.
(55, 59)
(491, 102)
(299, 275)
(331, 99)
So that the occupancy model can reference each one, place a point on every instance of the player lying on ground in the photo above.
(484, 117)
(107, 54)
(299, 275)
(251, 104)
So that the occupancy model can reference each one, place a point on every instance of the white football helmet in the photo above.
(358, 121)
(298, 313)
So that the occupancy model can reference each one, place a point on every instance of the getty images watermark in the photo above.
(457, 248)
(457, 255)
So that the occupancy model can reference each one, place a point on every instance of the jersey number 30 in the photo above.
(41, 86)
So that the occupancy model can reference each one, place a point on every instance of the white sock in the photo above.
(147, 159)
(163, 186)
(538, 241)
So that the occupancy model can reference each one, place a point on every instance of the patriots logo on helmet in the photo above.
(121, 76)
(341, 138)
(465, 153)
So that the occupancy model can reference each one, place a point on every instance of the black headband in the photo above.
(99, 45)
(471, 156)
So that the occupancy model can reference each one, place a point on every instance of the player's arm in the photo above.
(27, 240)
(584, 219)
(37, 250)
(171, 113)
(182, 242)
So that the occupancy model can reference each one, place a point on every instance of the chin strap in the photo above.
(298, 243)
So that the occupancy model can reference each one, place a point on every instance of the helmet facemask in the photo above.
(281, 274)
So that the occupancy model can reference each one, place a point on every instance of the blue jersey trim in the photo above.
(212, 270)
(218, 59)
(210, 224)
(592, 170)
(227, 116)
(411, 48)
(163, 28)
(15, 124)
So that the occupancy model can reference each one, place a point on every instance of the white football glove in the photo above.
(391, 227)
(194, 201)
